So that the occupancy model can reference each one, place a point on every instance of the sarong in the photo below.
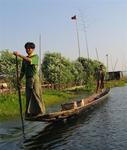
(34, 103)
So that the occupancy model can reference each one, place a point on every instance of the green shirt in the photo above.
(30, 69)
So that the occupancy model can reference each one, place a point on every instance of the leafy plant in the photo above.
(8, 66)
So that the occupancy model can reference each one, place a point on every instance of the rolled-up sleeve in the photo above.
(34, 60)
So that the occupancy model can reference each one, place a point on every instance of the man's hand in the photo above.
(19, 85)
(16, 53)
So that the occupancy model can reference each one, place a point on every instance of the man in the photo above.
(100, 78)
(34, 104)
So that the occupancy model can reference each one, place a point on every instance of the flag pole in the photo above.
(77, 37)
(107, 74)
(85, 33)
(107, 61)
(97, 54)
(76, 24)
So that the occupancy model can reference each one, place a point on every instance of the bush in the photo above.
(8, 67)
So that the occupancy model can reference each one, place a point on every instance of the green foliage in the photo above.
(9, 105)
(89, 71)
(50, 67)
(57, 69)
(8, 67)
(77, 71)
(115, 83)
(53, 97)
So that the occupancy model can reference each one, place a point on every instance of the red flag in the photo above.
(73, 18)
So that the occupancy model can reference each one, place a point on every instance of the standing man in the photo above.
(34, 104)
(100, 78)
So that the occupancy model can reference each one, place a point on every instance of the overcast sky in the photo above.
(105, 20)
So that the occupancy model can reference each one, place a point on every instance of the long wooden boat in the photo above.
(73, 109)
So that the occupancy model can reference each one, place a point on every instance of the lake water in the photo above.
(103, 128)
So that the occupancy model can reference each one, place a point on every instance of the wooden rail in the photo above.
(44, 86)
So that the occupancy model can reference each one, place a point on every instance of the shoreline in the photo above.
(9, 104)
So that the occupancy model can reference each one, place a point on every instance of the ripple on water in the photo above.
(103, 128)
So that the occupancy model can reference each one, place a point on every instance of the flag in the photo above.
(73, 18)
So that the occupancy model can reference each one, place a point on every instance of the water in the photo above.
(104, 128)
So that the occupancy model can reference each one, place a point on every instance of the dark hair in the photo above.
(29, 45)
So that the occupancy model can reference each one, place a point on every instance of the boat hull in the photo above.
(65, 115)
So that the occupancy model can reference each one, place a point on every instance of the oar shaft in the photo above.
(19, 95)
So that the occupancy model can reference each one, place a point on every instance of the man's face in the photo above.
(101, 67)
(29, 51)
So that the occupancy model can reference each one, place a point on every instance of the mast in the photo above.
(97, 54)
(107, 61)
(86, 41)
(85, 34)
(115, 64)
(76, 24)
(107, 74)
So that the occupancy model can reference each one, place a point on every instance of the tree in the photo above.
(57, 69)
(7, 66)
(89, 70)
(77, 71)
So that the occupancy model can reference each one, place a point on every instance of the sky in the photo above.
(105, 23)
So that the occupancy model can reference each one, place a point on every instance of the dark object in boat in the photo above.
(69, 106)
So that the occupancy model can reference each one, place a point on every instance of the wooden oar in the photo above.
(19, 95)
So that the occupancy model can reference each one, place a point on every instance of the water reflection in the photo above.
(52, 136)
(57, 135)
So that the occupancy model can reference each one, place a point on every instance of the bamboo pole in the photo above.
(19, 95)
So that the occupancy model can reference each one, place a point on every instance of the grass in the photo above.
(115, 83)
(52, 97)
(9, 103)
